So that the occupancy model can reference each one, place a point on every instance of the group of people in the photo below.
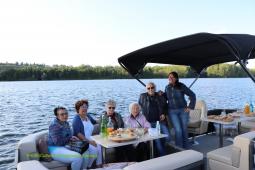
(151, 107)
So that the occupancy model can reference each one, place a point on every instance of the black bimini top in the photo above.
(197, 51)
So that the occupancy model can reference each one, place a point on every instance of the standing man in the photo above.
(153, 107)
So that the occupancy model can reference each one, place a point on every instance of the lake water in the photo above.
(26, 107)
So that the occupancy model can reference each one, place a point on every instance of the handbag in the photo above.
(77, 146)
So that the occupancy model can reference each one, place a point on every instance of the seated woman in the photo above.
(118, 122)
(59, 135)
(137, 120)
(83, 128)
(110, 113)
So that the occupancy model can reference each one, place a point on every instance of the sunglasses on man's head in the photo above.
(111, 108)
(150, 88)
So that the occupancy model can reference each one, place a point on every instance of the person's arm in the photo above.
(77, 129)
(78, 133)
(146, 124)
(140, 100)
(55, 132)
(93, 121)
(76, 126)
(162, 107)
(191, 95)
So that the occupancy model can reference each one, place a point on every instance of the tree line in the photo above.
(24, 71)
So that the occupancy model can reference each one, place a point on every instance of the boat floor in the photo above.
(210, 142)
(204, 144)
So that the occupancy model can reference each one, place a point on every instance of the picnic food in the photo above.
(211, 116)
(224, 118)
(122, 133)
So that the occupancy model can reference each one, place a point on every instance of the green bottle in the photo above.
(103, 128)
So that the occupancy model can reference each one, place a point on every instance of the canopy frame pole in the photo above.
(240, 61)
(242, 64)
(199, 74)
(132, 74)
(140, 81)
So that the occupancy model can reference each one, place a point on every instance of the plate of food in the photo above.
(211, 116)
(122, 135)
(224, 118)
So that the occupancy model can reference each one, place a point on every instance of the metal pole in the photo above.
(221, 135)
(196, 78)
(236, 54)
(246, 70)
(132, 74)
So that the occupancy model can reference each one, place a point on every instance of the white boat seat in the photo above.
(187, 159)
(238, 156)
(196, 126)
(54, 164)
(27, 150)
(194, 123)
(34, 164)
(248, 125)
(221, 154)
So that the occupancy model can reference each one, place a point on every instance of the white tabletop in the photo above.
(236, 120)
(111, 144)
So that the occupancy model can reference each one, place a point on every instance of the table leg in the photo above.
(151, 149)
(103, 154)
(221, 135)
(239, 128)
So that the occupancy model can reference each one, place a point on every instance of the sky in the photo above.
(97, 32)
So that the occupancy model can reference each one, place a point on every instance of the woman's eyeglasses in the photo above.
(63, 114)
(150, 88)
(111, 108)
(84, 107)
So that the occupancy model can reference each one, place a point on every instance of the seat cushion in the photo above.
(171, 161)
(34, 164)
(54, 164)
(115, 166)
(195, 118)
(194, 123)
(222, 155)
(195, 114)
(42, 147)
(248, 124)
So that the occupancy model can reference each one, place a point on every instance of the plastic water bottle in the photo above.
(126, 124)
(223, 113)
(251, 107)
(110, 126)
(158, 127)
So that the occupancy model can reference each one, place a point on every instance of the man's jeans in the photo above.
(160, 143)
(180, 120)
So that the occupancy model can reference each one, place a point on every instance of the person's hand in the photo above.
(145, 130)
(162, 117)
(93, 143)
(74, 138)
(187, 110)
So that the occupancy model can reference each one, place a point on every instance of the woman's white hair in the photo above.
(132, 105)
(110, 102)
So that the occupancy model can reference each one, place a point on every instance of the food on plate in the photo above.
(211, 116)
(229, 118)
(224, 118)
